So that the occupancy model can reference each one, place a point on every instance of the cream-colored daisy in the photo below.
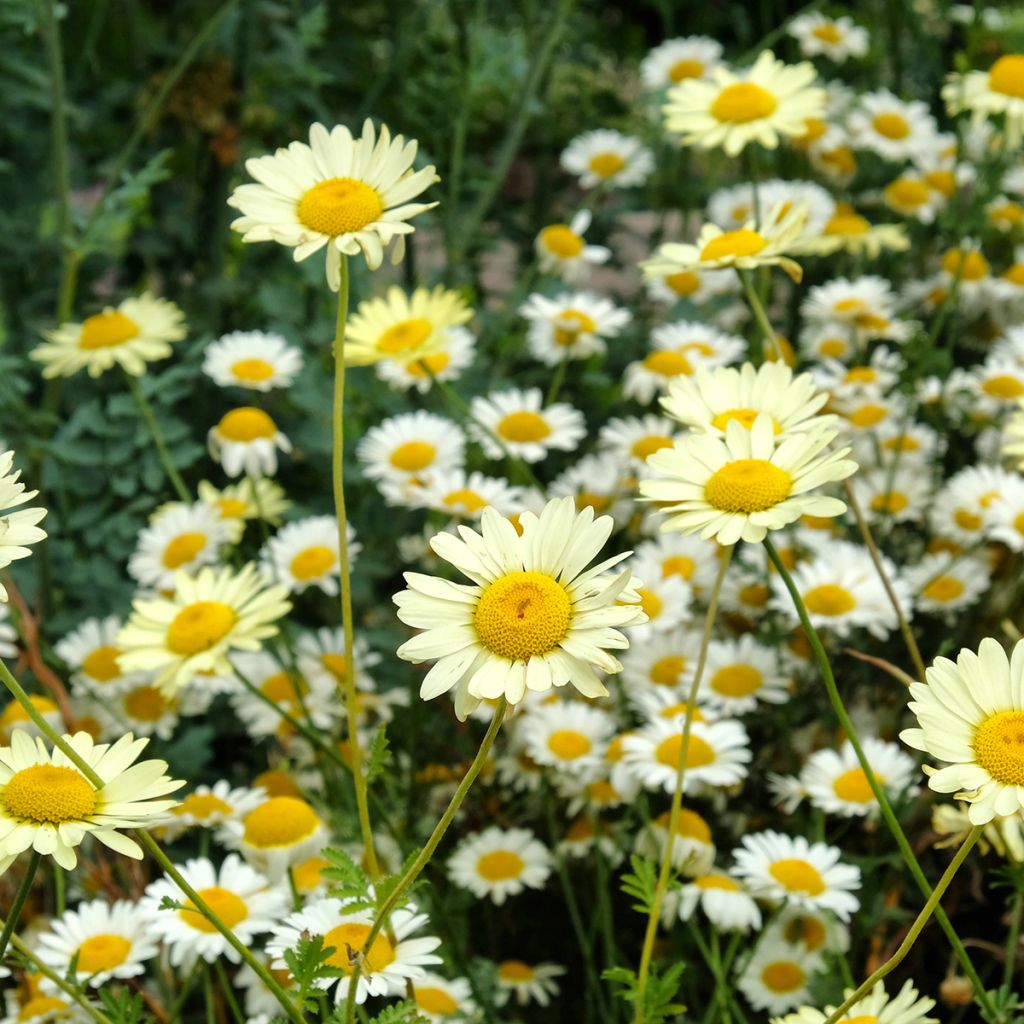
(697, 286)
(666, 660)
(516, 421)
(734, 206)
(465, 495)
(456, 350)
(142, 708)
(250, 498)
(739, 673)
(350, 195)
(567, 736)
(988, 94)
(899, 496)
(851, 232)
(963, 508)
(605, 157)
(534, 616)
(596, 482)
(181, 538)
(944, 585)
(526, 983)
(835, 782)
(632, 438)
(252, 359)
(835, 38)
(90, 651)
(570, 325)
(15, 717)
(138, 331)
(908, 1006)
(212, 807)
(693, 560)
(723, 901)
(17, 529)
(48, 805)
(246, 440)
(497, 863)
(193, 631)
(777, 976)
(675, 60)
(910, 196)
(406, 449)
(562, 249)
(895, 129)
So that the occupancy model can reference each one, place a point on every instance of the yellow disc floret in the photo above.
(106, 330)
(1007, 75)
(348, 941)
(523, 427)
(499, 865)
(102, 953)
(230, 908)
(797, 875)
(733, 245)
(743, 102)
(339, 206)
(561, 240)
(199, 626)
(245, 424)
(523, 614)
(280, 821)
(999, 747)
(50, 794)
(748, 485)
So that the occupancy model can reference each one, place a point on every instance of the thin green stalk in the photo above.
(557, 380)
(348, 625)
(149, 416)
(665, 871)
(423, 858)
(889, 816)
(229, 992)
(764, 324)
(58, 890)
(1013, 939)
(19, 901)
(211, 1008)
(915, 929)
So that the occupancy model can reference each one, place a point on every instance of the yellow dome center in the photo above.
(522, 614)
(999, 747)
(335, 664)
(570, 324)
(685, 68)
(783, 976)
(747, 485)
(689, 824)
(311, 563)
(796, 875)
(515, 970)
(145, 704)
(945, 588)
(971, 265)
(101, 664)
(744, 417)
(809, 930)
(1007, 75)
(827, 32)
(413, 456)
(737, 681)
(523, 427)
(1004, 386)
(864, 1018)
(733, 245)
(405, 335)
(869, 415)
(853, 787)
(668, 363)
(967, 520)
(561, 241)
(465, 497)
(434, 1000)
(102, 953)
(41, 1007)
(107, 330)
(15, 713)
(698, 752)
(847, 224)
(894, 501)
(723, 882)
(755, 594)
(651, 603)
(232, 508)
(201, 806)
(349, 939)
(338, 206)
(245, 424)
(568, 744)
(427, 365)
(829, 599)
(49, 794)
(1015, 275)
(686, 282)
(649, 445)
(308, 874)
(666, 671)
(282, 688)
(229, 907)
(743, 102)
(942, 181)
(199, 626)
(604, 165)
(280, 821)
(499, 865)
(891, 126)
(252, 371)
(183, 549)
(906, 193)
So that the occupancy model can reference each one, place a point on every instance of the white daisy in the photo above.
(893, 128)
(19, 528)
(570, 325)
(465, 495)
(456, 349)
(212, 807)
(246, 440)
(902, 496)
(569, 737)
(740, 673)
(675, 60)
(908, 1006)
(664, 660)
(631, 439)
(304, 554)
(90, 651)
(409, 447)
(252, 359)
(523, 425)
(439, 999)
(562, 249)
(497, 863)
(835, 38)
(943, 585)
(723, 901)
(693, 851)
(607, 157)
(669, 285)
(527, 984)
(182, 538)
(277, 834)
(836, 783)
(964, 506)
(777, 976)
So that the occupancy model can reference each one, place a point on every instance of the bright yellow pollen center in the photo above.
(797, 875)
(666, 671)
(736, 681)
(945, 588)
(971, 265)
(967, 520)
(650, 444)
(570, 324)
(744, 417)
(353, 937)
(434, 1000)
(231, 909)
(199, 626)
(1018, 522)
(686, 282)
(717, 882)
(568, 744)
(755, 594)
(783, 976)
(312, 562)
(834, 348)
(231, 508)
(864, 1018)
(145, 704)
(41, 1007)
(733, 245)
(604, 165)
(868, 415)
(827, 33)
(676, 710)
(101, 664)
(14, 713)
(201, 806)
(689, 824)
(847, 224)
(49, 793)
(808, 930)
(999, 747)
(907, 192)
(102, 953)
(942, 181)
(515, 970)
(743, 102)
(698, 752)
(522, 614)
(106, 330)
(891, 126)
(413, 456)
(405, 335)
(467, 498)
(651, 603)
(338, 206)
(678, 565)
(252, 371)
(524, 427)
(499, 865)
(1007, 75)
(853, 787)
(561, 240)
(308, 875)
(1015, 275)
(747, 485)
(894, 501)
(282, 688)
(335, 664)
(829, 599)
(1004, 386)
(183, 549)
(280, 821)
(668, 363)
(426, 365)
(246, 424)
(686, 68)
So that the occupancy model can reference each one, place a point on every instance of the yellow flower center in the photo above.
(199, 626)
(1015, 275)
(183, 549)
(602, 792)
(744, 417)
(498, 865)
(827, 32)
(413, 456)
(723, 882)
(41, 1007)
(861, 375)
(666, 671)
(796, 875)
(49, 793)
(868, 415)
(568, 744)
(942, 181)
(101, 664)
(967, 520)
(894, 501)
(678, 565)
(650, 602)
(282, 688)
(864, 1018)
(312, 562)
(349, 939)
(15, 713)
(686, 282)
(747, 485)
(335, 664)
(743, 102)
(698, 752)
(1018, 523)
(808, 930)
(971, 265)
(201, 806)
(853, 787)
(106, 330)
(783, 976)
(253, 371)
(466, 498)
(1007, 75)
(834, 348)
(755, 594)
(847, 224)
(667, 363)
(426, 365)
(1008, 213)
(405, 335)
(515, 970)
(829, 599)
(689, 824)
(522, 614)
(434, 1000)
(246, 424)
(280, 821)
(561, 240)
(737, 681)
(102, 953)
(524, 427)
(307, 875)
(145, 704)
(733, 245)
(1004, 386)
(229, 907)
(685, 68)
(232, 508)
(650, 444)
(570, 324)
(906, 193)
(604, 165)
(999, 747)
(677, 710)
(891, 126)
(945, 588)
(338, 206)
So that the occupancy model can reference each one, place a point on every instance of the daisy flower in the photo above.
(36, 1007)
(777, 976)
(632, 438)
(568, 737)
(908, 1006)
(740, 486)
(407, 448)
(49, 805)
(138, 331)
(571, 325)
(533, 617)
(19, 528)
(141, 708)
(864, 304)
(693, 851)
(181, 538)
(962, 509)
(252, 359)
(439, 999)
(693, 560)
(277, 834)
(322, 653)
(456, 349)
(901, 496)
(304, 554)
(250, 498)
(350, 195)
(246, 440)
(209, 615)
(942, 584)
(562, 249)
(836, 784)
(524, 427)
(723, 901)
(987, 94)
(731, 208)
(14, 716)
(90, 651)
(893, 128)
(527, 984)
(109, 940)
(740, 673)
(465, 495)
(768, 100)
(212, 807)
(781, 868)
(835, 38)
(8, 634)
(675, 60)
(664, 660)
(497, 863)
(665, 601)
(607, 157)
(697, 286)
(596, 482)
(239, 896)
(909, 195)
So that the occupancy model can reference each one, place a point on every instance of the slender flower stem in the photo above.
(229, 995)
(891, 821)
(771, 342)
(348, 626)
(415, 869)
(19, 901)
(1013, 939)
(557, 380)
(665, 870)
(915, 929)
(158, 438)
(876, 558)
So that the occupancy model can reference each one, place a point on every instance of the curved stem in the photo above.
(158, 438)
(19, 901)
(771, 342)
(347, 623)
(665, 870)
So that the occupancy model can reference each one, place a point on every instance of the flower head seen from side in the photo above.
(48, 805)
(17, 529)
(970, 713)
(562, 249)
(246, 440)
(605, 157)
(535, 616)
(986, 94)
(742, 485)
(346, 194)
(138, 331)
(908, 1006)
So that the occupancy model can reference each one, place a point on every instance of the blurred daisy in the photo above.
(138, 331)
(19, 528)
(438, 999)
(1000, 90)
(322, 653)
(693, 851)
(252, 359)
(631, 439)
(90, 651)
(698, 286)
(304, 554)
(143, 709)
(212, 807)
(465, 495)
(607, 157)
(527, 984)
(693, 560)
(182, 538)
(455, 351)
(739, 673)
(909, 195)
(407, 448)
(497, 863)
(893, 128)
(277, 834)
(246, 440)
(663, 660)
(571, 325)
(908, 1006)
(526, 429)
(835, 38)
(961, 509)
(675, 60)
(562, 249)
(723, 901)
(568, 737)
(596, 482)
(777, 976)
(836, 783)
(350, 195)
(14, 717)
(250, 498)
(942, 584)
(665, 601)
(901, 495)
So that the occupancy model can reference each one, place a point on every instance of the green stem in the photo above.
(19, 901)
(211, 1009)
(158, 438)
(915, 929)
(423, 858)
(557, 380)
(891, 821)
(229, 993)
(764, 324)
(1013, 939)
(58, 890)
(665, 871)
